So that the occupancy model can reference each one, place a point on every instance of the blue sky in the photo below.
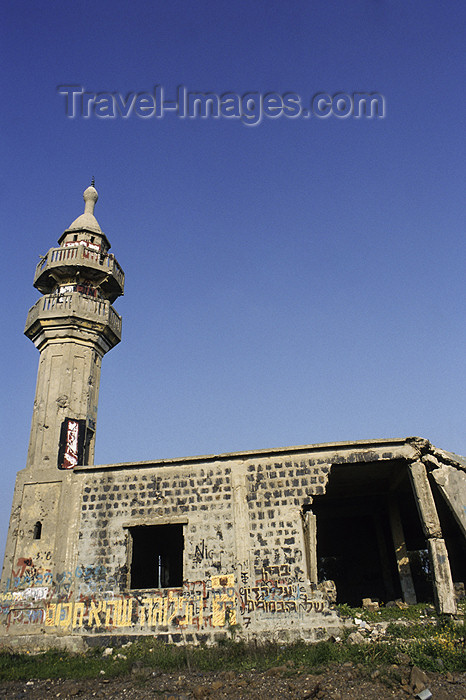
(299, 281)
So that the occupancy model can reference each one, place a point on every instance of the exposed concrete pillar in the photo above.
(424, 500)
(241, 516)
(310, 545)
(401, 553)
(443, 583)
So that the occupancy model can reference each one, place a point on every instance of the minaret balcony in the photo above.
(80, 262)
(78, 310)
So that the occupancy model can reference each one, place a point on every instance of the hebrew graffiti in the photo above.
(90, 599)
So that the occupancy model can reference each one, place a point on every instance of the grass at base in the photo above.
(430, 641)
(231, 655)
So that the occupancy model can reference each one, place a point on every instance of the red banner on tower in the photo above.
(71, 449)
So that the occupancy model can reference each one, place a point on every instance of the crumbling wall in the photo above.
(244, 559)
(250, 526)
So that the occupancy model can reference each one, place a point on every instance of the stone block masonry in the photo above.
(243, 560)
(268, 581)
(188, 550)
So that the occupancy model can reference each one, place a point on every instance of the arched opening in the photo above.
(37, 532)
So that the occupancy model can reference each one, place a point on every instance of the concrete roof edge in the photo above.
(449, 457)
(296, 449)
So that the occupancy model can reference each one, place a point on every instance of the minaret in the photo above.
(73, 325)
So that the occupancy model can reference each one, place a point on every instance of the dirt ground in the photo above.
(340, 682)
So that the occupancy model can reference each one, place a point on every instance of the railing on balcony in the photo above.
(55, 305)
(80, 255)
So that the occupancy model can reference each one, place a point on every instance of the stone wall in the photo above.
(238, 532)
(244, 560)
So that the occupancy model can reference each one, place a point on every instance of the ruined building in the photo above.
(263, 542)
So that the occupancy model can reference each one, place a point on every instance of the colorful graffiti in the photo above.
(91, 579)
(170, 607)
(88, 599)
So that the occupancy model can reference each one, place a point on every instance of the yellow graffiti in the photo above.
(50, 615)
(171, 607)
(94, 612)
(78, 611)
(122, 612)
(188, 618)
(65, 619)
(118, 613)
(162, 611)
(154, 611)
(223, 600)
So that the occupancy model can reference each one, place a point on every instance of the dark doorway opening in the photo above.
(156, 556)
(354, 549)
(355, 538)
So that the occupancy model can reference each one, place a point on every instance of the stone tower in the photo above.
(72, 325)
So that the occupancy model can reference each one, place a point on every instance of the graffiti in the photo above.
(91, 598)
(22, 565)
(223, 600)
(97, 579)
(92, 579)
(27, 575)
(71, 446)
(170, 609)
(212, 605)
(104, 613)
(278, 598)
(279, 573)
(30, 594)
(25, 616)
(202, 552)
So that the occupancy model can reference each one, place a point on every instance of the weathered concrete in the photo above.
(401, 553)
(424, 500)
(310, 545)
(444, 589)
(72, 326)
(452, 484)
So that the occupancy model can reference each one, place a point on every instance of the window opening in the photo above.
(156, 556)
(37, 532)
